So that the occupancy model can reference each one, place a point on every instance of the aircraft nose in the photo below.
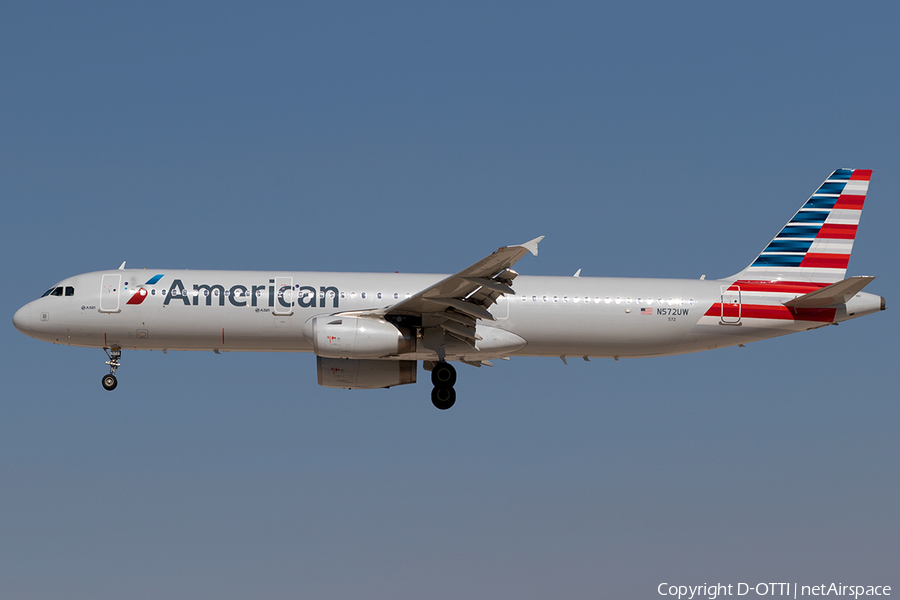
(22, 318)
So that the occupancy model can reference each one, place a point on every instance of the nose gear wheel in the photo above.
(109, 381)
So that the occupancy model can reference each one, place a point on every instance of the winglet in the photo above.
(532, 246)
(122, 266)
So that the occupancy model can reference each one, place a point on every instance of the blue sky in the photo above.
(654, 140)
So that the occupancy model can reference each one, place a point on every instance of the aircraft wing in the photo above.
(457, 302)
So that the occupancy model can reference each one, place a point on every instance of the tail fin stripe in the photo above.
(810, 217)
(788, 245)
(852, 202)
(826, 261)
(822, 202)
(831, 246)
(809, 231)
(844, 216)
(778, 260)
(831, 188)
(838, 232)
(815, 244)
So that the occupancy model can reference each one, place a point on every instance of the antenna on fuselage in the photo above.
(122, 266)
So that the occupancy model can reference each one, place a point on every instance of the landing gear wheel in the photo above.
(443, 398)
(109, 382)
(443, 375)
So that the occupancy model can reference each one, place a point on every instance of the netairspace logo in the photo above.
(713, 591)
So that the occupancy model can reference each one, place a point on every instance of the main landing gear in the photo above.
(443, 376)
(109, 381)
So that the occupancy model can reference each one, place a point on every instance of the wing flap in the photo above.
(451, 308)
(474, 289)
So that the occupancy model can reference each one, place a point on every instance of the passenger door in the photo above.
(109, 292)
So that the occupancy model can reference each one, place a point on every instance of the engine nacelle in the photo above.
(349, 373)
(341, 336)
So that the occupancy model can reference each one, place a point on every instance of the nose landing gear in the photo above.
(443, 376)
(109, 381)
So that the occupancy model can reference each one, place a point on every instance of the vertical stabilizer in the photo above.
(815, 245)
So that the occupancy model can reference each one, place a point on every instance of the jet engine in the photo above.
(340, 336)
(350, 373)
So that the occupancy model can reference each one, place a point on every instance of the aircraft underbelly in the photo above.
(627, 335)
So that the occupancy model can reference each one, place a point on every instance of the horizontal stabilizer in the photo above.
(834, 294)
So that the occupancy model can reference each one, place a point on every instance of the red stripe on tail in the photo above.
(849, 202)
(825, 261)
(772, 311)
(838, 232)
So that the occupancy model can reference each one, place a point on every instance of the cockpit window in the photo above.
(59, 291)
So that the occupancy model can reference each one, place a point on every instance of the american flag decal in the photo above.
(646, 311)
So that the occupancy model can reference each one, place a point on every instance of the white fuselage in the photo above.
(547, 316)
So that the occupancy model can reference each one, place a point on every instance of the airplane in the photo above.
(369, 330)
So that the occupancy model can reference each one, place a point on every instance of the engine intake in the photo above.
(339, 336)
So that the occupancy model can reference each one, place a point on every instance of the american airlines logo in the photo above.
(141, 293)
(303, 296)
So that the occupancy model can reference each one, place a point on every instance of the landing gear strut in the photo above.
(443, 376)
(109, 381)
